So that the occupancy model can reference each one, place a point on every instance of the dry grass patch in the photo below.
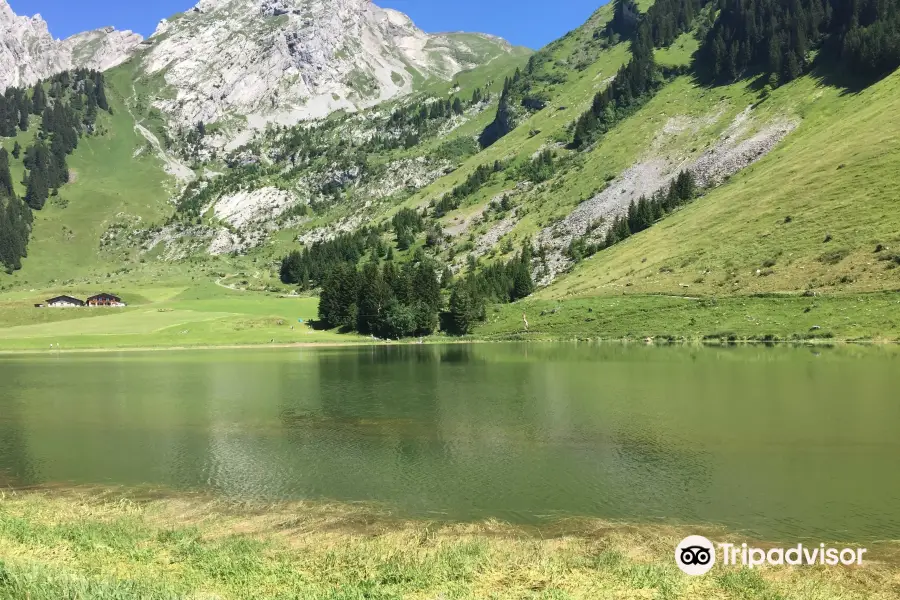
(103, 545)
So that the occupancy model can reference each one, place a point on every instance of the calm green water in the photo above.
(784, 443)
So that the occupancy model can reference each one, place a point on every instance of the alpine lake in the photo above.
(784, 443)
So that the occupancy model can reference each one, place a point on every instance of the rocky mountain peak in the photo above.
(29, 53)
(283, 61)
(6, 14)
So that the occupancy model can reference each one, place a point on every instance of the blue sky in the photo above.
(532, 23)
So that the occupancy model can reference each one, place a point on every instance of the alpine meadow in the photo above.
(670, 154)
(674, 187)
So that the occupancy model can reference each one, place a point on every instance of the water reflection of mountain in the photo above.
(442, 428)
(783, 441)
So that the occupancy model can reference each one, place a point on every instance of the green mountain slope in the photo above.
(114, 179)
(793, 234)
(810, 216)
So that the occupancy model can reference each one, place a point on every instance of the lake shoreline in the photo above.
(514, 339)
(57, 541)
(254, 321)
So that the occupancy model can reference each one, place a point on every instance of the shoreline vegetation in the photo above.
(442, 341)
(112, 544)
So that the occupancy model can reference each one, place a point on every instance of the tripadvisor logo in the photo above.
(696, 555)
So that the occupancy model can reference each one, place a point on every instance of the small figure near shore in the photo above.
(525, 320)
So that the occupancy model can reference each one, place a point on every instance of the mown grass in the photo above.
(103, 546)
(195, 316)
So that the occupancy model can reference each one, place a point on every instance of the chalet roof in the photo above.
(104, 295)
(65, 299)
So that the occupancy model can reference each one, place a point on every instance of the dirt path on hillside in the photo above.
(226, 286)
(172, 165)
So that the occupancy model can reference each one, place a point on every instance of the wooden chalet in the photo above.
(105, 300)
(64, 302)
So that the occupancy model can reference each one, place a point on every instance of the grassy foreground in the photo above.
(94, 546)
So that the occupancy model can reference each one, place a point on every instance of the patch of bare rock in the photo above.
(736, 149)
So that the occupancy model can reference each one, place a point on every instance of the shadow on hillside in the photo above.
(833, 75)
(701, 76)
(827, 70)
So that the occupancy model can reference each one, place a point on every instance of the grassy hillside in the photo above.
(809, 216)
(113, 180)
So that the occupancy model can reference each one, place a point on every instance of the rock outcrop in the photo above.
(29, 53)
(254, 62)
(100, 49)
(738, 147)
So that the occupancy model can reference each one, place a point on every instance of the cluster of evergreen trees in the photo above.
(667, 19)
(15, 220)
(632, 86)
(419, 113)
(406, 127)
(480, 176)
(777, 37)
(415, 119)
(636, 82)
(391, 302)
(641, 215)
(308, 269)
(15, 110)
(541, 168)
(67, 104)
(525, 93)
(498, 282)
(504, 122)
(870, 30)
(407, 224)
(382, 299)
(772, 35)
(68, 110)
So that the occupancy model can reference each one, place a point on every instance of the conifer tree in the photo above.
(6, 183)
(337, 303)
(466, 308)
(372, 301)
(37, 188)
(101, 92)
(38, 99)
(7, 250)
(446, 278)
(523, 284)
(426, 297)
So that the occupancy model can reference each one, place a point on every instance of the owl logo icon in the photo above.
(695, 555)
